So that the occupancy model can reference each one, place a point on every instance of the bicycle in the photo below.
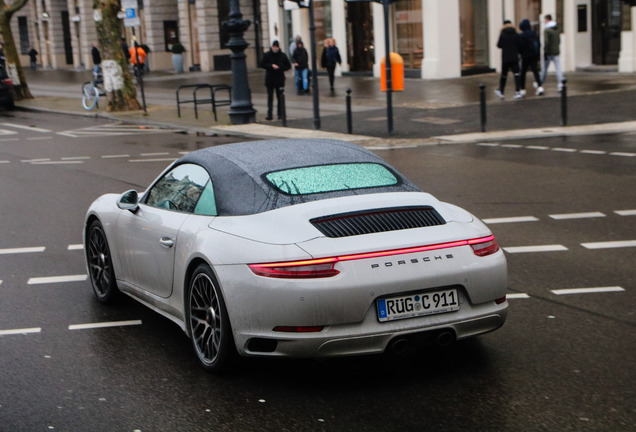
(92, 90)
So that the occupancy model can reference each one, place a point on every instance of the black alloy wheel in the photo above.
(208, 322)
(100, 265)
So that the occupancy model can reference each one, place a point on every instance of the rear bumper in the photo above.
(372, 338)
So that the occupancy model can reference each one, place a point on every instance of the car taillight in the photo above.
(318, 268)
(484, 246)
(324, 267)
(7, 82)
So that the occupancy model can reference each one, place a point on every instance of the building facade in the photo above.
(436, 38)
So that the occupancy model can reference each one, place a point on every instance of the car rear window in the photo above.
(331, 178)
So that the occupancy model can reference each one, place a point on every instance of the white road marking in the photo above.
(513, 146)
(73, 247)
(538, 248)
(104, 325)
(624, 154)
(517, 296)
(626, 212)
(610, 244)
(22, 250)
(7, 132)
(31, 128)
(587, 290)
(39, 138)
(563, 149)
(20, 331)
(56, 279)
(535, 147)
(515, 219)
(153, 160)
(62, 162)
(488, 144)
(35, 160)
(593, 152)
(70, 158)
(115, 156)
(4, 161)
(155, 154)
(564, 216)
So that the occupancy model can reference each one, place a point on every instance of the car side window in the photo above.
(182, 188)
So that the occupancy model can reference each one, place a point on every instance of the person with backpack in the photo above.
(530, 56)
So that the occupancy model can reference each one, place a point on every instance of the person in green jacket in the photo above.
(551, 51)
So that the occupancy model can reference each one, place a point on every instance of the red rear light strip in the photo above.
(257, 268)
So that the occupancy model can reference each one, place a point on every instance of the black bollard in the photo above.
(482, 104)
(349, 117)
(564, 104)
(281, 101)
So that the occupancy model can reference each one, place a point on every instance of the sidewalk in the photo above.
(427, 112)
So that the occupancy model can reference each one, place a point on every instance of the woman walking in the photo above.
(330, 57)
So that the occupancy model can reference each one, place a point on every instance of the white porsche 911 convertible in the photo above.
(299, 248)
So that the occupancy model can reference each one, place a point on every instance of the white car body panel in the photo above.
(344, 305)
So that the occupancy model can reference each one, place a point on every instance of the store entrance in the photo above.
(606, 31)
(360, 36)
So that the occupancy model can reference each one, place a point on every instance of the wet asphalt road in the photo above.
(561, 362)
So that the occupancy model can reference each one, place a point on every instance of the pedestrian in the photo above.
(124, 48)
(97, 58)
(146, 49)
(530, 56)
(301, 64)
(330, 57)
(551, 50)
(293, 44)
(33, 56)
(510, 44)
(275, 63)
(137, 54)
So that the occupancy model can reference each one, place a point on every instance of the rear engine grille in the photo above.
(377, 220)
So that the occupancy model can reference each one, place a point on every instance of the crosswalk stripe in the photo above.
(104, 325)
(510, 219)
(564, 216)
(30, 128)
(610, 244)
(587, 290)
(56, 279)
(22, 250)
(538, 248)
(626, 212)
(21, 331)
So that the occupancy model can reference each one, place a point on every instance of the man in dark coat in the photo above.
(301, 63)
(510, 44)
(530, 56)
(97, 59)
(275, 63)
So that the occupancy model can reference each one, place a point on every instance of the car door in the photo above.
(149, 236)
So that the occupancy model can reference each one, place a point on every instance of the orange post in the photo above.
(397, 73)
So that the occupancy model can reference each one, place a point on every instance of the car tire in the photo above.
(208, 321)
(100, 264)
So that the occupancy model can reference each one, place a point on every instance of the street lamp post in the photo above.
(241, 110)
(314, 75)
(389, 86)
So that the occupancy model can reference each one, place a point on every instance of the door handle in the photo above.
(166, 242)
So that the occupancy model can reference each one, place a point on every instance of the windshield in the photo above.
(331, 178)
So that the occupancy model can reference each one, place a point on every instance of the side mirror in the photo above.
(129, 201)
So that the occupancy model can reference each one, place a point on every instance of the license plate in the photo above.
(420, 304)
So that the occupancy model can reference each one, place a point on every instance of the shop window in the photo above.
(24, 35)
(408, 28)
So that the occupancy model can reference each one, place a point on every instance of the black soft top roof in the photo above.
(237, 171)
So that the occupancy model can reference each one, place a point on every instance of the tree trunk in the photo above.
(12, 60)
(121, 94)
